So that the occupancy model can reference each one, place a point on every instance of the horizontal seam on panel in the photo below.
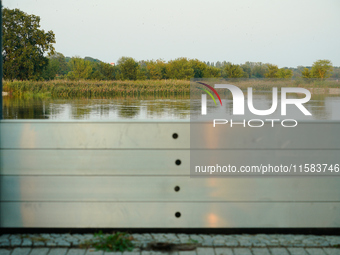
(174, 149)
(174, 201)
(184, 122)
(19, 121)
(88, 149)
(186, 175)
(92, 175)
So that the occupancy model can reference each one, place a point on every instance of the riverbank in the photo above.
(65, 88)
(85, 88)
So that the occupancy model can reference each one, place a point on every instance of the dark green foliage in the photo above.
(128, 68)
(57, 67)
(103, 71)
(198, 67)
(92, 59)
(247, 69)
(142, 72)
(258, 69)
(24, 46)
(62, 64)
(51, 70)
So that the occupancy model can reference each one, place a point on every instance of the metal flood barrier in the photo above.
(136, 175)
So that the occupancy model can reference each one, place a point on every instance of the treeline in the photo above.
(76, 68)
(26, 46)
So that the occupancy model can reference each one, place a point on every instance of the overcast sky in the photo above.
(287, 33)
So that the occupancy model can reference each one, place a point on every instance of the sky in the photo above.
(287, 33)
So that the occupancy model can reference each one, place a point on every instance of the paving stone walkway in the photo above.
(280, 244)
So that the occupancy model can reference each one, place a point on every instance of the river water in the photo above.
(322, 106)
(121, 108)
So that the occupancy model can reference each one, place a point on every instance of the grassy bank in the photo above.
(66, 88)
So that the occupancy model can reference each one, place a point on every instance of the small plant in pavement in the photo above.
(119, 241)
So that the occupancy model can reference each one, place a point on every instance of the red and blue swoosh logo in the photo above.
(208, 86)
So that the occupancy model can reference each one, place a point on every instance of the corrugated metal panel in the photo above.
(95, 162)
(306, 135)
(162, 189)
(101, 135)
(161, 215)
(105, 174)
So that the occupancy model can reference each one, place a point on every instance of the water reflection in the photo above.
(322, 106)
(117, 108)
(18, 108)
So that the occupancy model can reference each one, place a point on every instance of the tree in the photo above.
(63, 66)
(101, 70)
(80, 69)
(96, 74)
(233, 71)
(108, 71)
(57, 66)
(212, 72)
(218, 64)
(142, 71)
(128, 68)
(306, 73)
(284, 73)
(92, 59)
(198, 67)
(258, 69)
(24, 45)
(247, 69)
(322, 69)
(272, 71)
(336, 72)
(179, 68)
(51, 70)
(156, 69)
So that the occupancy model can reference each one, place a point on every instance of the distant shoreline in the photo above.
(88, 88)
